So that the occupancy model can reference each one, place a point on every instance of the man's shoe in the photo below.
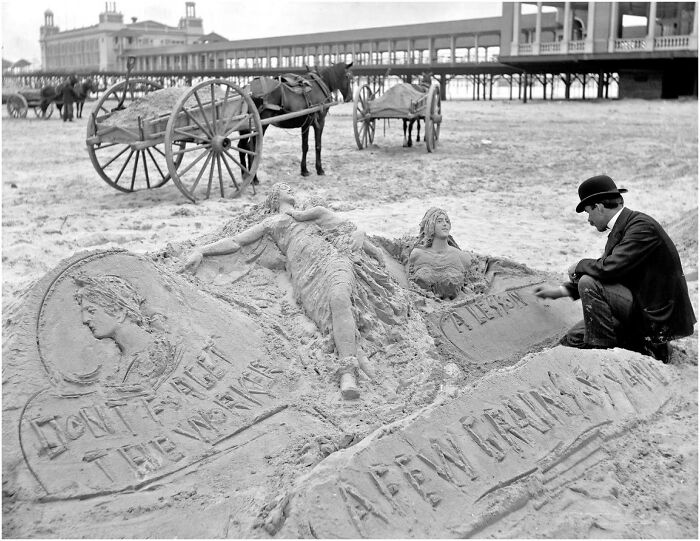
(660, 352)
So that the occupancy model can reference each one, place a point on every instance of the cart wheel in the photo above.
(49, 111)
(202, 140)
(127, 166)
(17, 106)
(433, 117)
(363, 124)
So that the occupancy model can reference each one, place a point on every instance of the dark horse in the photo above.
(82, 91)
(292, 93)
(54, 94)
(423, 86)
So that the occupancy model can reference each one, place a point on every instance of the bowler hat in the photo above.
(596, 189)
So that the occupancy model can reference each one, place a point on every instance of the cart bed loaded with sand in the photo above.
(20, 100)
(403, 101)
(141, 135)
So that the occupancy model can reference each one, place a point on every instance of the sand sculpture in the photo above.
(133, 379)
(437, 264)
(122, 395)
(457, 468)
(340, 289)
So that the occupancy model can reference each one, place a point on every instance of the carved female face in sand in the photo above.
(107, 304)
(435, 224)
(101, 324)
(279, 193)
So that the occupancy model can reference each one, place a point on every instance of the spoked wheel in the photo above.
(363, 124)
(433, 117)
(213, 140)
(125, 162)
(47, 115)
(17, 106)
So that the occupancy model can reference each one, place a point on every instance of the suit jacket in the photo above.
(641, 256)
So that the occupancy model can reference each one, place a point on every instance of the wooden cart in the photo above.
(19, 101)
(140, 135)
(403, 101)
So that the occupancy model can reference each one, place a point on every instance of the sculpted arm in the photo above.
(225, 246)
(373, 250)
(312, 214)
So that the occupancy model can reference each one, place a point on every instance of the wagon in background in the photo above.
(402, 101)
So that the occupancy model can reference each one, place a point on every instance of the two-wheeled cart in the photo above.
(20, 100)
(402, 101)
(141, 135)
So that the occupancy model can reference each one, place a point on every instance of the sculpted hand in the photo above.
(358, 240)
(193, 262)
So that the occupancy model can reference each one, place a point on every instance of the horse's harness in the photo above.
(288, 84)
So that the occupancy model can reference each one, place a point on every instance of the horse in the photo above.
(292, 93)
(82, 91)
(51, 94)
(422, 86)
(54, 94)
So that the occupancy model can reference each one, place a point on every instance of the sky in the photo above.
(233, 19)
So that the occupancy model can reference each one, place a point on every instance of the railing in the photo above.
(577, 46)
(525, 48)
(550, 47)
(637, 44)
(672, 42)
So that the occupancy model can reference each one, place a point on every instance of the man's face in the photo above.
(596, 216)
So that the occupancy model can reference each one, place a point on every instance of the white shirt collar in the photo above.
(612, 221)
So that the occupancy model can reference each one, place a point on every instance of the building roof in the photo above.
(211, 37)
(21, 63)
(150, 26)
(6, 64)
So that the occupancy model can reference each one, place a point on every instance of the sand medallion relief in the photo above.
(145, 377)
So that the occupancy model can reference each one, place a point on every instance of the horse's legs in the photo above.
(318, 135)
(304, 149)
(409, 139)
(247, 159)
(418, 131)
(405, 126)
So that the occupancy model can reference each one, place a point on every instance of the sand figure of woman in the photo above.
(113, 310)
(343, 234)
(436, 263)
(336, 290)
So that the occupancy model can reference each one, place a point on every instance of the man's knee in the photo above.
(586, 283)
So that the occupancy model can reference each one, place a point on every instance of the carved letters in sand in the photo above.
(501, 324)
(454, 469)
(144, 376)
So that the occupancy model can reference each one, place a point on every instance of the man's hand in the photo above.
(193, 262)
(572, 272)
(548, 292)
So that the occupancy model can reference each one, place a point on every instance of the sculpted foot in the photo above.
(348, 387)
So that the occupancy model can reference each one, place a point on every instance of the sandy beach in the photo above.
(505, 172)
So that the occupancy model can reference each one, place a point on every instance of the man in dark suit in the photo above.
(635, 296)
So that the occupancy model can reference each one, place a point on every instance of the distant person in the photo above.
(635, 295)
(68, 97)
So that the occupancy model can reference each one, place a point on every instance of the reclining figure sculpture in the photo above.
(341, 289)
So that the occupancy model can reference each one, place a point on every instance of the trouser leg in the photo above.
(606, 307)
